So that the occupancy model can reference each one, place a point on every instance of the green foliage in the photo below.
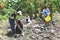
(3, 17)
(28, 6)
(1, 1)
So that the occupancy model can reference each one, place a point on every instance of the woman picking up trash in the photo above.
(46, 17)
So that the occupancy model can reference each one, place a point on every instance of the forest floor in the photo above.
(33, 30)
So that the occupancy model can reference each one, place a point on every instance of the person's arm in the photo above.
(15, 24)
(48, 11)
(43, 12)
(15, 16)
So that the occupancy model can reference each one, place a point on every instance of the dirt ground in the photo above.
(33, 30)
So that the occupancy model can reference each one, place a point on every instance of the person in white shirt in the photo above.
(27, 18)
(45, 13)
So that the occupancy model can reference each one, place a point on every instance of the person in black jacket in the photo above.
(12, 22)
(19, 26)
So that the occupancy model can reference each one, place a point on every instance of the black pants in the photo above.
(20, 28)
(12, 24)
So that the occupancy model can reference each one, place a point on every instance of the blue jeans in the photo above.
(12, 24)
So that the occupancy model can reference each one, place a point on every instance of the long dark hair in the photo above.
(45, 7)
(13, 15)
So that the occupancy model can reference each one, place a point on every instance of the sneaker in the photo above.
(22, 34)
(45, 28)
(18, 35)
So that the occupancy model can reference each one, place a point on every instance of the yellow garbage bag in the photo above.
(48, 18)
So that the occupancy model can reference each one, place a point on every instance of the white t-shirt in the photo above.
(46, 11)
(28, 17)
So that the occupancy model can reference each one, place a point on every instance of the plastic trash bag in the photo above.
(47, 18)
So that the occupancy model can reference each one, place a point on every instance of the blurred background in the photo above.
(33, 7)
